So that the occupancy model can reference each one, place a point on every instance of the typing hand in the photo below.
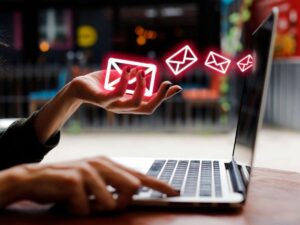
(74, 184)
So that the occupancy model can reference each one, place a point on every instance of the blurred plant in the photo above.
(231, 43)
(231, 40)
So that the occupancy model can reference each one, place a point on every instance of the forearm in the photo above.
(55, 113)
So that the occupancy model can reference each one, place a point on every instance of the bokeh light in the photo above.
(44, 46)
(141, 40)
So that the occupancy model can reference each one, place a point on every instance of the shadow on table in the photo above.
(31, 213)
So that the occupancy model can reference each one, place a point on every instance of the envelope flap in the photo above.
(250, 59)
(178, 57)
(219, 60)
(247, 60)
(189, 54)
(119, 64)
(148, 72)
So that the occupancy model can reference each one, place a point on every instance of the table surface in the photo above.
(273, 198)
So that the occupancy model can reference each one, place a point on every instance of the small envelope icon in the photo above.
(181, 60)
(245, 63)
(117, 65)
(217, 62)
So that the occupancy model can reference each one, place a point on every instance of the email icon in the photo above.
(117, 65)
(217, 62)
(245, 63)
(181, 60)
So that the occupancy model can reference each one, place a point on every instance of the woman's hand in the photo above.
(80, 186)
(90, 89)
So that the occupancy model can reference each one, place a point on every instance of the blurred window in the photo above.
(149, 29)
(55, 28)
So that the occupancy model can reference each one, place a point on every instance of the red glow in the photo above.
(245, 63)
(181, 59)
(217, 62)
(116, 63)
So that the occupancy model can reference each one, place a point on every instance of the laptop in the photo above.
(218, 182)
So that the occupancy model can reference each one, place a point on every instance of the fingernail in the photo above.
(169, 84)
(143, 74)
(127, 69)
(177, 191)
(179, 90)
(175, 93)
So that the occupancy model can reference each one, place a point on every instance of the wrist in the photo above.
(12, 185)
(70, 94)
(56, 112)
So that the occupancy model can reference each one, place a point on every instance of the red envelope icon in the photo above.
(181, 60)
(116, 65)
(245, 63)
(217, 62)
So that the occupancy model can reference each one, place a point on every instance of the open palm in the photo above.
(90, 89)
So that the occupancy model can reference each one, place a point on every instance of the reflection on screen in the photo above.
(253, 94)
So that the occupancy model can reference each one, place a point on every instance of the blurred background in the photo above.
(47, 43)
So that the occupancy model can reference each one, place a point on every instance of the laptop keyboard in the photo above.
(192, 177)
(190, 188)
(205, 179)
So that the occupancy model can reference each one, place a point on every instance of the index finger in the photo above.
(149, 181)
(158, 185)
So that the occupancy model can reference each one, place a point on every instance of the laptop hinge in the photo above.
(236, 178)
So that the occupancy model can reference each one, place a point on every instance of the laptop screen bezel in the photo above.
(274, 17)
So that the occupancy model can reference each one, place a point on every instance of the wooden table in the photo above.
(274, 198)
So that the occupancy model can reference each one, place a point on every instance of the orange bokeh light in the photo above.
(150, 34)
(141, 40)
(44, 46)
(139, 30)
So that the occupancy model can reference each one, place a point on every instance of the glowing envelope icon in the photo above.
(245, 63)
(181, 60)
(116, 65)
(217, 62)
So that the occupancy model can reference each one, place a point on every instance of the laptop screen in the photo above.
(254, 92)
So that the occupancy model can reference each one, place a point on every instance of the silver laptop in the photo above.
(218, 182)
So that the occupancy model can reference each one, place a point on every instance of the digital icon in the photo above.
(217, 62)
(245, 63)
(115, 64)
(181, 60)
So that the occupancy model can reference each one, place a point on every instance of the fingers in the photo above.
(165, 92)
(125, 183)
(139, 90)
(136, 99)
(121, 86)
(149, 181)
(77, 202)
(175, 89)
(96, 187)
(150, 106)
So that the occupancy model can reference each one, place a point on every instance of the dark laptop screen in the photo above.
(253, 93)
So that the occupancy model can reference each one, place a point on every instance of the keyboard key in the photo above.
(190, 187)
(205, 179)
(154, 171)
(156, 168)
(166, 174)
(156, 194)
(179, 174)
(217, 179)
(191, 173)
